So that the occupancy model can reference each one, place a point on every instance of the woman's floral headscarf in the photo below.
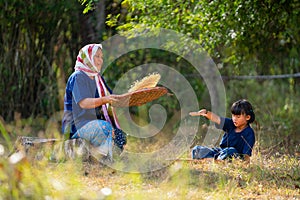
(85, 63)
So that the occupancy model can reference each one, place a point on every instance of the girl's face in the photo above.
(98, 59)
(240, 121)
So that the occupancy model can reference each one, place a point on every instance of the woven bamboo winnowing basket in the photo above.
(139, 97)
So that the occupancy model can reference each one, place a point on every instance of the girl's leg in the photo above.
(199, 152)
(99, 134)
(228, 152)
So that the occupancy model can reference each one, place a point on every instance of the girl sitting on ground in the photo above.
(238, 139)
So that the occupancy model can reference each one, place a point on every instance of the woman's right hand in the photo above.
(110, 99)
(89, 103)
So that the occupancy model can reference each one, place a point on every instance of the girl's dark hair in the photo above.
(243, 107)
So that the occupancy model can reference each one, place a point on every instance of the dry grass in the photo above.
(266, 177)
(263, 178)
(274, 178)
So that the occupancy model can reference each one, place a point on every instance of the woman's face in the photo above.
(98, 59)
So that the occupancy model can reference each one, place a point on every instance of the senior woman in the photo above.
(87, 111)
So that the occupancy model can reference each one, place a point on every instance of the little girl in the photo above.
(238, 139)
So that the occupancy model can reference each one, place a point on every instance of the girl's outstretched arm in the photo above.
(209, 115)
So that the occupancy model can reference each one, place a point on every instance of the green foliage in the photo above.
(276, 112)
(89, 5)
(36, 40)
(5, 135)
(237, 33)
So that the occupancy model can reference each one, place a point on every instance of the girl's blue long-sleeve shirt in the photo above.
(242, 141)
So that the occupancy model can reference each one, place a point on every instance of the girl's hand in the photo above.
(202, 112)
